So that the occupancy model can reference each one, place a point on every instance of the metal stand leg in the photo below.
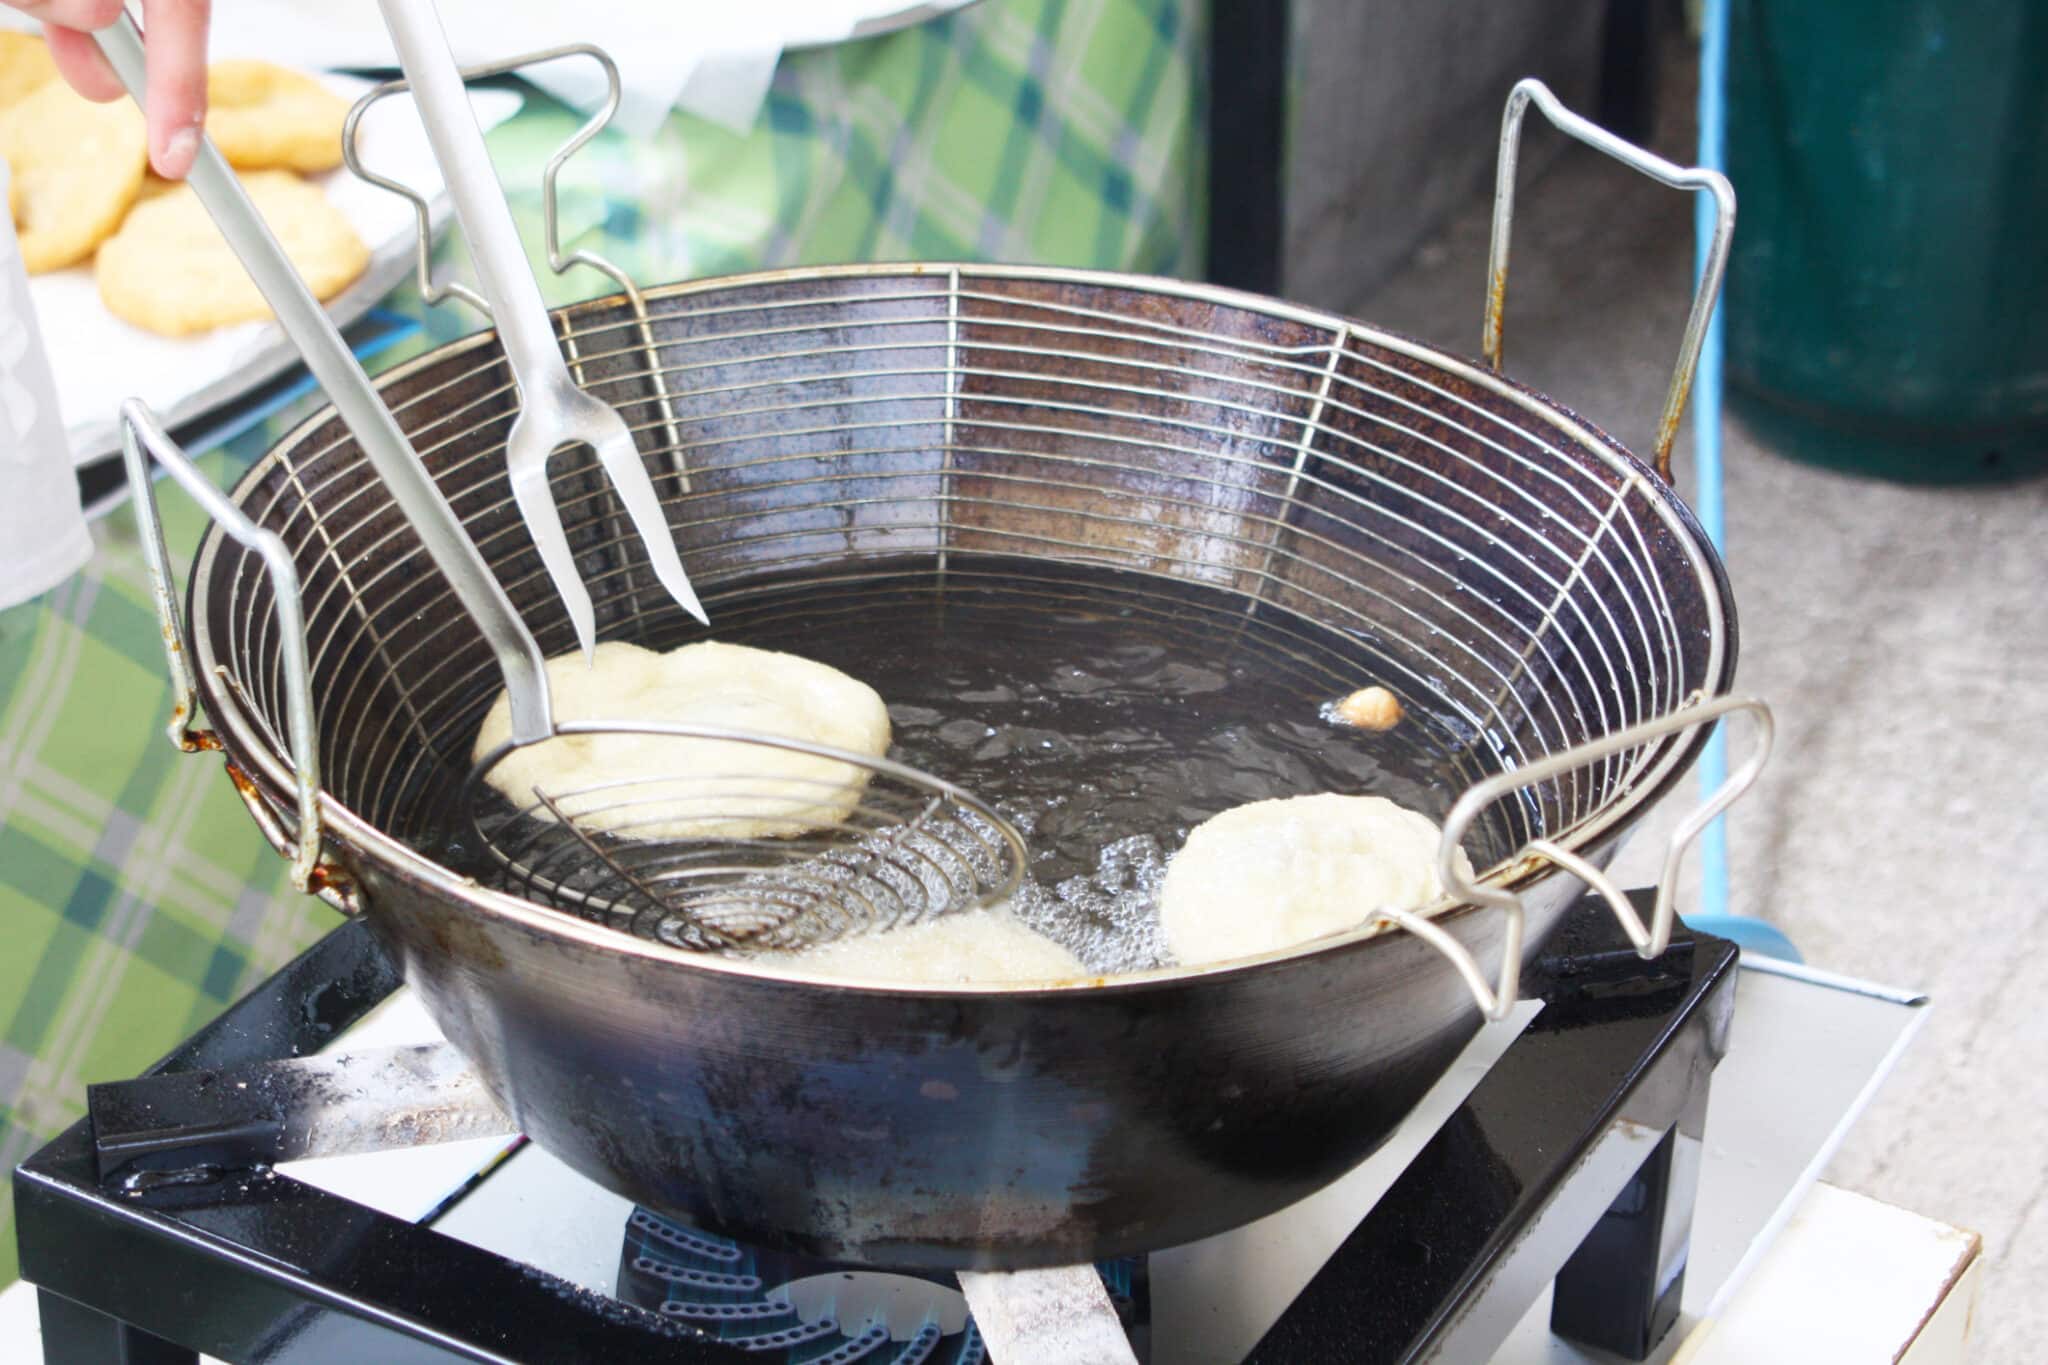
(1482, 1220)
(1620, 1290)
(76, 1335)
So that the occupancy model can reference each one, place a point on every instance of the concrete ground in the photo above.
(1901, 633)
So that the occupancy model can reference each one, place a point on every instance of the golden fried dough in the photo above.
(25, 66)
(78, 166)
(263, 116)
(169, 270)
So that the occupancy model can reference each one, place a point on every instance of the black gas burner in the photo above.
(811, 1312)
(157, 1227)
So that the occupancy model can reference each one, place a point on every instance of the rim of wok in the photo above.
(273, 770)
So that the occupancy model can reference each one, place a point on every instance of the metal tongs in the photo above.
(383, 442)
(553, 411)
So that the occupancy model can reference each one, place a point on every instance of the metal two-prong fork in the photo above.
(553, 411)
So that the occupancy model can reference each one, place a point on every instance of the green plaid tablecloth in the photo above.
(136, 898)
(1063, 132)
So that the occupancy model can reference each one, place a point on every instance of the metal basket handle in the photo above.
(1650, 940)
(143, 438)
(558, 261)
(1531, 90)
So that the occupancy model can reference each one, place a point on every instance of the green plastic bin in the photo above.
(1887, 304)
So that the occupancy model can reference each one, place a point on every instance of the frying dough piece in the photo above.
(972, 947)
(679, 788)
(1369, 708)
(1272, 874)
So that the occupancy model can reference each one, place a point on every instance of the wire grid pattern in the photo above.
(753, 855)
(136, 898)
(1518, 583)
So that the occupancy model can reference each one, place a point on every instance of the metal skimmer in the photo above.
(746, 856)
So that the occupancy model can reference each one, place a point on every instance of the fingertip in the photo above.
(176, 58)
(173, 157)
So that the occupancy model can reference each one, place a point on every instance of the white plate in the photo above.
(100, 360)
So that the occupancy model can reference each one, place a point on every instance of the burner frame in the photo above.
(251, 1265)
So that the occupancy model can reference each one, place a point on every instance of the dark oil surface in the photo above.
(1105, 712)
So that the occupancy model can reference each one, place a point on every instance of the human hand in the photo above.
(176, 55)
